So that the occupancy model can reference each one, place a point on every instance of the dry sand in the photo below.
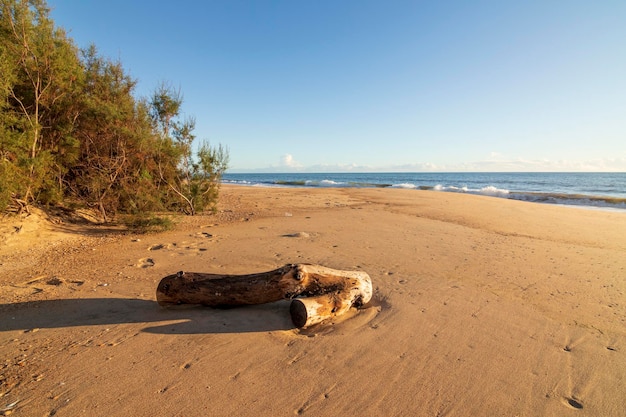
(482, 307)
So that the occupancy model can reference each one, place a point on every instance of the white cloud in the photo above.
(288, 161)
(495, 155)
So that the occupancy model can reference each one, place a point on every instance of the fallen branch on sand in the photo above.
(330, 292)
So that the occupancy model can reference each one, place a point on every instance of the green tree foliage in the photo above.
(70, 127)
(192, 180)
(212, 163)
(39, 91)
(111, 131)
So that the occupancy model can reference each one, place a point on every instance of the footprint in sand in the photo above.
(185, 247)
(298, 234)
(145, 263)
(574, 403)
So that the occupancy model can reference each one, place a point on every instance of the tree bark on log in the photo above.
(333, 291)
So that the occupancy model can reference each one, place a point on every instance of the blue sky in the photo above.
(329, 85)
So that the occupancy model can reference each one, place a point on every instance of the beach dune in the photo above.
(481, 307)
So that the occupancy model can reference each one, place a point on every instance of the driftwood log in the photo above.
(331, 292)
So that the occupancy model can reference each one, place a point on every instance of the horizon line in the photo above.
(264, 171)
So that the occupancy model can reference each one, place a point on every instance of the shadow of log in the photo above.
(51, 314)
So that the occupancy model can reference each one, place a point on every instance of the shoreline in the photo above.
(583, 189)
(613, 204)
(481, 307)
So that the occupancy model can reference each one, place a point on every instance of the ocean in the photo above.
(598, 190)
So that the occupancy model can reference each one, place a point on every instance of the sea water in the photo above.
(603, 190)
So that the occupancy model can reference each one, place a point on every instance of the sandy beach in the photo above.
(482, 307)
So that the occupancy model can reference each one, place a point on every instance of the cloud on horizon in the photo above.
(494, 163)
(287, 161)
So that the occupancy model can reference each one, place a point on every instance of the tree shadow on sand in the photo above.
(50, 314)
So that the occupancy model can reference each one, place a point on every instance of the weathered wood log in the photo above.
(308, 311)
(334, 291)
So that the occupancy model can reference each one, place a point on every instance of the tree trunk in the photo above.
(333, 291)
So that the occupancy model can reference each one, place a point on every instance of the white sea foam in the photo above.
(494, 191)
(329, 183)
(322, 183)
(406, 185)
(239, 182)
(489, 190)
(450, 188)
